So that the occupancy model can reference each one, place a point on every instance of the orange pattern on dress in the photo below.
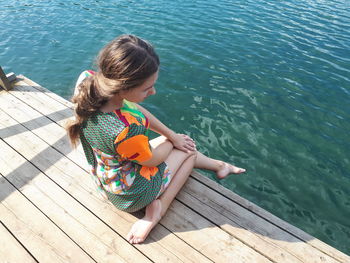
(122, 135)
(135, 148)
(130, 118)
(148, 172)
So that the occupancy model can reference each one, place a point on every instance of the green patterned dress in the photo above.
(114, 143)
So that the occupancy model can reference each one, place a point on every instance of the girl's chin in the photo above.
(138, 101)
(135, 101)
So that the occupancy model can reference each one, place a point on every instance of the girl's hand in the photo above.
(183, 142)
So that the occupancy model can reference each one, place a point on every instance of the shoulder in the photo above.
(105, 124)
(101, 129)
(130, 105)
(130, 114)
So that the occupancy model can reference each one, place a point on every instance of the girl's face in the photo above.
(140, 93)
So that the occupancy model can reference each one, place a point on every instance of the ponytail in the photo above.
(87, 100)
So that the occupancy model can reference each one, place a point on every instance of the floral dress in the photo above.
(114, 144)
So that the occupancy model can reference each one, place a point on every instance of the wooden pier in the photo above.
(50, 211)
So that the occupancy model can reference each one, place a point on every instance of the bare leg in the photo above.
(181, 165)
(177, 182)
(221, 168)
(202, 161)
(140, 230)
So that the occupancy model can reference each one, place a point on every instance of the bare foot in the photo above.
(140, 229)
(227, 169)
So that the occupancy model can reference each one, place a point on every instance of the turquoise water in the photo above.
(262, 84)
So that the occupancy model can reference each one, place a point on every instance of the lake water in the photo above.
(262, 84)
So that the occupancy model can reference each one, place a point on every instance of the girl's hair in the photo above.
(123, 64)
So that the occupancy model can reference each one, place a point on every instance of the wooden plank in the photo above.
(267, 248)
(50, 161)
(40, 125)
(298, 233)
(10, 249)
(265, 237)
(205, 236)
(97, 239)
(47, 92)
(41, 102)
(45, 241)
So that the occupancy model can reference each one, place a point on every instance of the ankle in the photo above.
(153, 211)
(220, 165)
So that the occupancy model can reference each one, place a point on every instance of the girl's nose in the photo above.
(152, 91)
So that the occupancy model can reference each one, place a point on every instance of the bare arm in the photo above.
(159, 154)
(156, 125)
(179, 141)
(162, 151)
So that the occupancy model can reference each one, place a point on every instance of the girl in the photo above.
(131, 171)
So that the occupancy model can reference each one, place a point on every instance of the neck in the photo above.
(116, 102)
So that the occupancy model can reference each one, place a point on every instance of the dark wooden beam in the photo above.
(5, 80)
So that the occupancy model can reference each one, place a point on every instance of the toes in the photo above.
(136, 240)
(240, 170)
(236, 170)
(129, 237)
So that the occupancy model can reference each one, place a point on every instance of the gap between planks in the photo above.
(12, 247)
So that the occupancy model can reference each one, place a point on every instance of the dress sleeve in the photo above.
(132, 144)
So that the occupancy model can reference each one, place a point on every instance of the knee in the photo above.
(192, 155)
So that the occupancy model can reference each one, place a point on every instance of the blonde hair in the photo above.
(123, 64)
